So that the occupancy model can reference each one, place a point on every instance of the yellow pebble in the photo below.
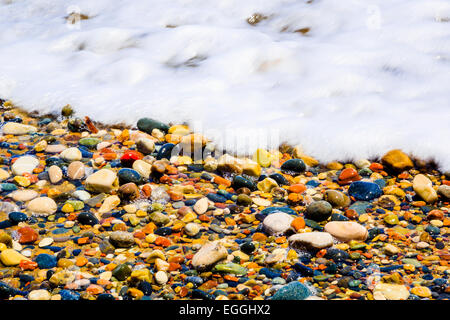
(409, 267)
(421, 291)
(363, 218)
(22, 181)
(262, 157)
(342, 246)
(189, 217)
(67, 208)
(141, 213)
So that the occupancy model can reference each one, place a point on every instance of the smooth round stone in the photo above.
(147, 125)
(346, 230)
(318, 211)
(209, 254)
(143, 168)
(121, 239)
(282, 181)
(248, 247)
(76, 170)
(444, 190)
(214, 197)
(87, 218)
(4, 175)
(102, 180)
(45, 242)
(191, 229)
(232, 268)
(165, 152)
(391, 219)
(18, 129)
(129, 191)
(423, 186)
(16, 217)
(292, 291)
(71, 154)
(23, 195)
(55, 174)
(45, 261)
(294, 165)
(40, 294)
(24, 164)
(161, 277)
(241, 182)
(121, 272)
(244, 200)
(201, 206)
(277, 223)
(311, 240)
(42, 206)
(145, 145)
(10, 257)
(386, 291)
(365, 191)
(337, 199)
(82, 195)
(89, 142)
(129, 175)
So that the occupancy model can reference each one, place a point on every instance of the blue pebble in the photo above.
(76, 252)
(69, 295)
(292, 291)
(216, 197)
(45, 261)
(365, 191)
(269, 273)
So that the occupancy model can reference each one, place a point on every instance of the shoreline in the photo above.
(91, 211)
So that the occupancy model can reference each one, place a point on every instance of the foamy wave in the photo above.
(345, 80)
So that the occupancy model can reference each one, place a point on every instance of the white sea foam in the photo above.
(369, 76)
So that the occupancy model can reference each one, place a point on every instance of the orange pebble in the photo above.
(95, 289)
(222, 181)
(376, 166)
(27, 265)
(81, 261)
(297, 188)
(162, 241)
(298, 223)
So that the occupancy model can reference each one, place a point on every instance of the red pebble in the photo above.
(348, 175)
(27, 235)
(129, 157)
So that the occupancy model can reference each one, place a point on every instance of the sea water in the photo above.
(343, 79)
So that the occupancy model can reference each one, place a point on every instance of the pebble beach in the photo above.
(96, 212)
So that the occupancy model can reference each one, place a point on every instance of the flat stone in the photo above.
(55, 174)
(24, 164)
(209, 254)
(71, 154)
(11, 257)
(23, 195)
(76, 170)
(423, 186)
(101, 181)
(390, 292)
(42, 206)
(311, 240)
(277, 223)
(18, 129)
(346, 230)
